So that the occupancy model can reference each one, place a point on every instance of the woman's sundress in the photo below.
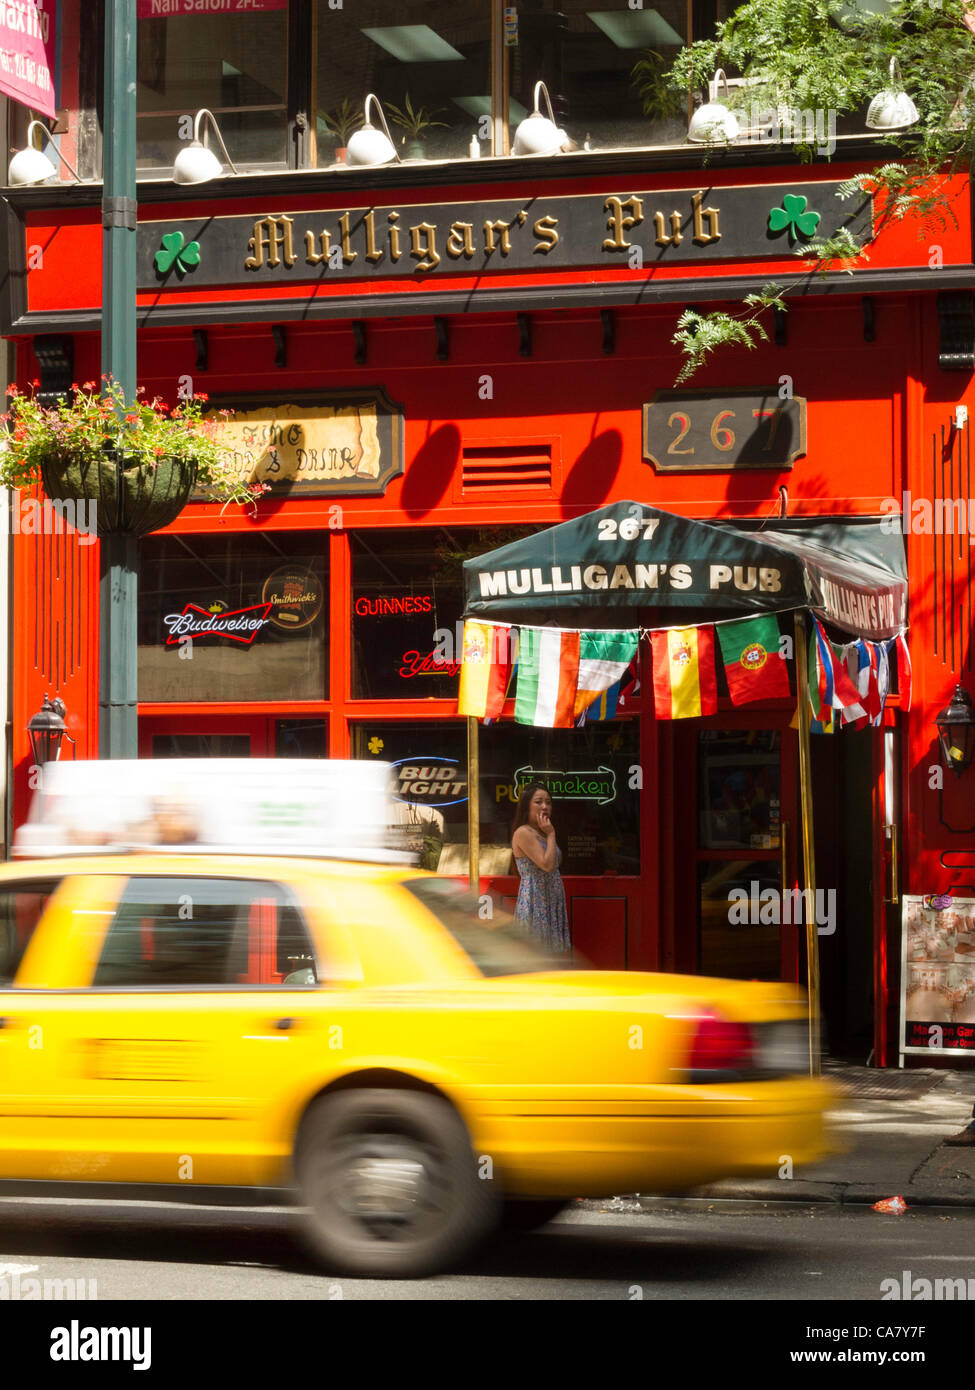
(541, 903)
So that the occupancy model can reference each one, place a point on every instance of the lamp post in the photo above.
(118, 581)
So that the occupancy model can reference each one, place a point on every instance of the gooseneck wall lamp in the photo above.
(31, 165)
(892, 109)
(369, 144)
(538, 134)
(196, 162)
(46, 730)
(956, 732)
(713, 123)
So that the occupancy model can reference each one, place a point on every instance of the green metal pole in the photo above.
(118, 588)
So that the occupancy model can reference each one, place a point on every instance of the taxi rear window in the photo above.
(21, 907)
(498, 945)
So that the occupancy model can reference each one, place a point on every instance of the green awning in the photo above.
(601, 569)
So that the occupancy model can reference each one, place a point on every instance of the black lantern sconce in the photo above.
(956, 732)
(46, 729)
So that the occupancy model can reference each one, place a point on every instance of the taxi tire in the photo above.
(341, 1241)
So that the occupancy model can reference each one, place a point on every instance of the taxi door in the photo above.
(198, 1020)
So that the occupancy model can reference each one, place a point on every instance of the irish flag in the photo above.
(485, 669)
(548, 674)
(684, 682)
(603, 659)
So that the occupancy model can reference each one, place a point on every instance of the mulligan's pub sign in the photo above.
(632, 230)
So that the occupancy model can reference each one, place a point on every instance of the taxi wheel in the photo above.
(517, 1218)
(390, 1183)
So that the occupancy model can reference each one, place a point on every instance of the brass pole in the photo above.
(473, 808)
(808, 850)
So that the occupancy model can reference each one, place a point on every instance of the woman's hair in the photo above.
(524, 801)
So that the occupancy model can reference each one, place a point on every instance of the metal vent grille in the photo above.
(506, 467)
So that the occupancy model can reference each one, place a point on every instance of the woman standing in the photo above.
(541, 897)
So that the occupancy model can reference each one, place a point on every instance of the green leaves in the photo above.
(700, 335)
(176, 251)
(792, 214)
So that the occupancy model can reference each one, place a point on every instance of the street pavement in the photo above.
(888, 1129)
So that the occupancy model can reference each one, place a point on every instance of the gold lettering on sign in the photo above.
(373, 252)
(348, 255)
(312, 256)
(676, 235)
(324, 443)
(273, 235)
(489, 240)
(460, 239)
(394, 247)
(428, 257)
(701, 237)
(546, 231)
(618, 222)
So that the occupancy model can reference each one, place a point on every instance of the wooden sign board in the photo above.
(335, 443)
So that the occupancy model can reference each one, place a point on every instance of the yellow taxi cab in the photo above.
(352, 1031)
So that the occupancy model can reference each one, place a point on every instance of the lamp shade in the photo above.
(29, 165)
(538, 134)
(369, 144)
(196, 164)
(956, 731)
(46, 730)
(713, 123)
(892, 109)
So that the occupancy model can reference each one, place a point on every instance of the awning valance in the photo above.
(598, 570)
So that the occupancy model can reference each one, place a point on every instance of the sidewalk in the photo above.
(888, 1134)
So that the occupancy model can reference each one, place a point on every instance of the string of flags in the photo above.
(563, 678)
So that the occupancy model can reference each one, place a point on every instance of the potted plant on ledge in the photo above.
(413, 121)
(138, 462)
(341, 122)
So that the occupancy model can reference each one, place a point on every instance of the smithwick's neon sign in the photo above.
(238, 624)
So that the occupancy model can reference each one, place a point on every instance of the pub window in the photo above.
(588, 771)
(407, 606)
(429, 63)
(234, 64)
(238, 617)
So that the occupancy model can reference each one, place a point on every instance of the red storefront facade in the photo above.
(512, 397)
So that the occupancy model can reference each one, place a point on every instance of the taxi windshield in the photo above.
(498, 945)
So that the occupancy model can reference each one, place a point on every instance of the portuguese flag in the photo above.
(752, 665)
(684, 682)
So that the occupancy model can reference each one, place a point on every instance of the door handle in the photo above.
(894, 893)
(783, 845)
(285, 1025)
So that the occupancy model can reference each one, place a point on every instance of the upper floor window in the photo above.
(236, 65)
(428, 61)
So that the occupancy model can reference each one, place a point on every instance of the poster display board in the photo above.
(937, 1004)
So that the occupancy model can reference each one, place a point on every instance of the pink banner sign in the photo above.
(169, 9)
(27, 53)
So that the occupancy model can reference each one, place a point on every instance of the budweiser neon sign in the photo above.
(237, 624)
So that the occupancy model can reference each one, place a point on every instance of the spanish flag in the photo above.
(485, 669)
(684, 683)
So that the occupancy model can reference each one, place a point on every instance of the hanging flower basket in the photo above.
(152, 495)
(137, 462)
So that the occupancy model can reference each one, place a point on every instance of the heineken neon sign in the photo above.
(598, 785)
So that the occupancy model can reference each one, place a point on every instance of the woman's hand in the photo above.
(545, 823)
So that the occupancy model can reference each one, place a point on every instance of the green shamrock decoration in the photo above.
(177, 252)
(792, 214)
